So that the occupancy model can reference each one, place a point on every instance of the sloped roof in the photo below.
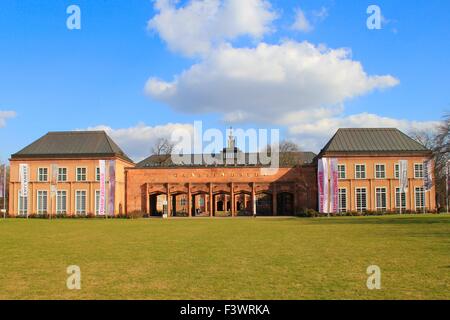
(362, 140)
(74, 144)
(287, 159)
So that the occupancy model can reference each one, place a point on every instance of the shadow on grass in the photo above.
(383, 220)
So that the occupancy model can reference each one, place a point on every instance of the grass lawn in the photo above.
(244, 258)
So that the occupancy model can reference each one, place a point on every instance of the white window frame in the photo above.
(421, 208)
(58, 209)
(340, 208)
(365, 171)
(20, 210)
(363, 209)
(97, 203)
(399, 194)
(38, 198)
(77, 211)
(345, 171)
(376, 171)
(85, 174)
(39, 174)
(97, 174)
(60, 175)
(377, 207)
(416, 176)
(397, 170)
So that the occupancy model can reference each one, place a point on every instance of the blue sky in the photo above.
(52, 78)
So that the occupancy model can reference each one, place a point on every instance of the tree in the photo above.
(162, 150)
(438, 141)
(288, 152)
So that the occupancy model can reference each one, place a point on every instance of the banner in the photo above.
(24, 179)
(2, 181)
(334, 186)
(427, 177)
(403, 175)
(101, 204)
(322, 180)
(112, 187)
(54, 180)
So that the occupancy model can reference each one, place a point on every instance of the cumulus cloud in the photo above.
(138, 141)
(6, 115)
(313, 135)
(198, 26)
(269, 83)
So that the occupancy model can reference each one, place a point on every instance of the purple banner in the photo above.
(2, 181)
(112, 187)
(334, 187)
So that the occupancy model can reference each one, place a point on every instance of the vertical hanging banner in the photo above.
(112, 187)
(24, 179)
(427, 177)
(2, 181)
(322, 180)
(54, 179)
(101, 204)
(403, 175)
(334, 187)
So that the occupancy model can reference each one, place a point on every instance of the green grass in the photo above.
(242, 258)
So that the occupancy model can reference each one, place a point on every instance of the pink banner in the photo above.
(101, 205)
(322, 180)
(334, 187)
(2, 181)
(112, 187)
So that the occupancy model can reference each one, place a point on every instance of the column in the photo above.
(189, 201)
(168, 200)
(253, 199)
(147, 199)
(211, 200)
(274, 200)
(233, 210)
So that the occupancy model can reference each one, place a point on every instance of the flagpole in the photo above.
(446, 184)
(400, 189)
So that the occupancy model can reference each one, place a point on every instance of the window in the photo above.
(381, 199)
(342, 200)
(80, 202)
(418, 170)
(23, 204)
(183, 201)
(41, 202)
(397, 171)
(360, 171)
(42, 174)
(61, 202)
(397, 199)
(62, 174)
(380, 171)
(341, 171)
(97, 202)
(361, 199)
(81, 174)
(97, 174)
(420, 198)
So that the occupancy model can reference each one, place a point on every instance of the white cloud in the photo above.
(313, 135)
(201, 24)
(6, 115)
(301, 23)
(270, 83)
(137, 142)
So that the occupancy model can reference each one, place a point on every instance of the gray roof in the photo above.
(287, 159)
(363, 140)
(72, 144)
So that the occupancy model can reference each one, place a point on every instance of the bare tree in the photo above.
(288, 152)
(162, 150)
(438, 142)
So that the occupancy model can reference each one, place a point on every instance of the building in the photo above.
(368, 171)
(234, 186)
(76, 156)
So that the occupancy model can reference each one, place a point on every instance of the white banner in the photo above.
(334, 186)
(102, 201)
(403, 175)
(427, 175)
(322, 181)
(112, 187)
(24, 179)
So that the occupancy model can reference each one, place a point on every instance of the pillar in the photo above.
(253, 199)
(189, 201)
(274, 200)
(169, 210)
(211, 210)
(233, 206)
